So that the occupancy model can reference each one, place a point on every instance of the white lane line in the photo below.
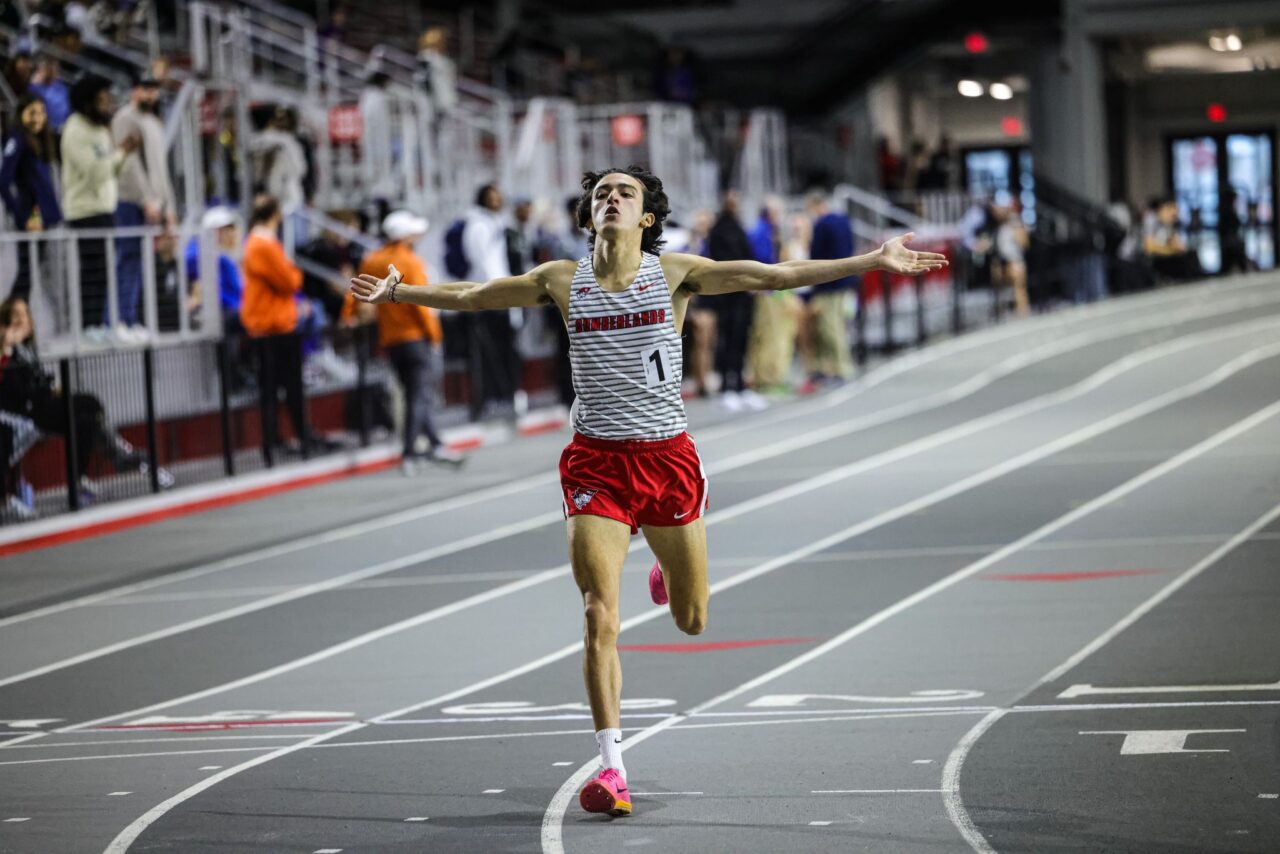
(452, 547)
(372, 584)
(955, 762)
(112, 742)
(679, 720)
(118, 794)
(133, 755)
(552, 842)
(662, 794)
(280, 549)
(819, 823)
(493, 791)
(16, 820)
(815, 716)
(1191, 311)
(743, 459)
(417, 818)
(585, 716)
(125, 838)
(921, 761)
(871, 791)
(1271, 796)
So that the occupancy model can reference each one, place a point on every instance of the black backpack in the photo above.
(455, 256)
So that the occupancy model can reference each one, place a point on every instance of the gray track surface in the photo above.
(1015, 591)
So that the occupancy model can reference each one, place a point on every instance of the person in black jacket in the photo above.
(729, 242)
(26, 181)
(27, 390)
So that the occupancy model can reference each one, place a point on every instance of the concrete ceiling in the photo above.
(803, 55)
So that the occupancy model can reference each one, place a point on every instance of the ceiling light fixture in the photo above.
(1000, 91)
(970, 88)
(1233, 42)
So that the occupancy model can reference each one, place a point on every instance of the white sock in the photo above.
(610, 741)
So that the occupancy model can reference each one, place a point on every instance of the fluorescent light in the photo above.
(1233, 42)
(970, 88)
(1217, 43)
(1000, 91)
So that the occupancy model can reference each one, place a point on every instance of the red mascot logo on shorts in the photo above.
(582, 496)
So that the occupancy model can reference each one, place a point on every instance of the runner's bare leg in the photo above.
(682, 554)
(597, 549)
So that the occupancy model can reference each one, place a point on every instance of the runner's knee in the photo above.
(601, 624)
(691, 621)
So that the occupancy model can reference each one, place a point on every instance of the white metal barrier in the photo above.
(762, 168)
(75, 278)
(663, 137)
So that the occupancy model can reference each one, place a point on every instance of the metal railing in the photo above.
(86, 285)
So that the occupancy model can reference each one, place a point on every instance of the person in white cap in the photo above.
(411, 337)
(224, 222)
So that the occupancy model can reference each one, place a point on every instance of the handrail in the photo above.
(177, 111)
(323, 221)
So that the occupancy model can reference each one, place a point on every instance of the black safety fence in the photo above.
(104, 426)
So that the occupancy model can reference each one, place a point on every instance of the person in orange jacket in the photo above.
(269, 312)
(411, 337)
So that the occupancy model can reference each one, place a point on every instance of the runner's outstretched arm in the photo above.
(704, 276)
(529, 289)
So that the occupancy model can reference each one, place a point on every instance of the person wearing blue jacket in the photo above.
(26, 181)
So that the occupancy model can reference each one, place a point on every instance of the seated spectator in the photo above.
(1164, 246)
(53, 90)
(17, 435)
(26, 182)
(27, 390)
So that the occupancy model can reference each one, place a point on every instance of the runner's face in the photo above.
(617, 205)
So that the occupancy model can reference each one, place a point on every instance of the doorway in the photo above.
(1224, 184)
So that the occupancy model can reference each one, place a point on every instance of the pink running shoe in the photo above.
(608, 792)
(657, 586)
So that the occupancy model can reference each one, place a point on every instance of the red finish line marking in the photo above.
(1071, 576)
(708, 646)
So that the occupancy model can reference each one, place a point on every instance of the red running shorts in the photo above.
(635, 482)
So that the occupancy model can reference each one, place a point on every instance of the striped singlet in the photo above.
(626, 356)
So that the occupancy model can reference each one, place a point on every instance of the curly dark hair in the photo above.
(655, 202)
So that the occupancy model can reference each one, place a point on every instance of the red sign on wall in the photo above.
(345, 124)
(627, 130)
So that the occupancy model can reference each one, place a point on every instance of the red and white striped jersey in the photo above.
(626, 356)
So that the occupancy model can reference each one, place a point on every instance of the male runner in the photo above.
(631, 466)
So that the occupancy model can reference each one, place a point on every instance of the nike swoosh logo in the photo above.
(682, 515)
(642, 287)
(617, 741)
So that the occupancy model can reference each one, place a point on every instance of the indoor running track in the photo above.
(1016, 591)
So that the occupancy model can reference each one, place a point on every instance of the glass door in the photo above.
(1225, 188)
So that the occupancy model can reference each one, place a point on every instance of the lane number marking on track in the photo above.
(1145, 742)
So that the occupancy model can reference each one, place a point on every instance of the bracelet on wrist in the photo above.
(392, 294)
